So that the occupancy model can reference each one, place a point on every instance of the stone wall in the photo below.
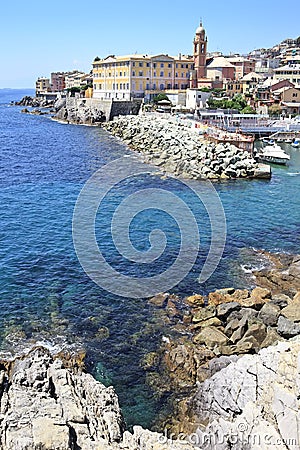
(93, 110)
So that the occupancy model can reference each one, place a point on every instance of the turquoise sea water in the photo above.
(43, 290)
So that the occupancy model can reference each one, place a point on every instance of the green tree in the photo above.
(160, 97)
(275, 110)
(248, 110)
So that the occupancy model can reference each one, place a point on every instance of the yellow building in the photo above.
(42, 85)
(137, 76)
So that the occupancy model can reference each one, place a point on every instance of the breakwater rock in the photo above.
(50, 403)
(177, 149)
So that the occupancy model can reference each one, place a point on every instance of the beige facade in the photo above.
(127, 77)
(289, 72)
(290, 95)
(242, 65)
(74, 79)
(42, 85)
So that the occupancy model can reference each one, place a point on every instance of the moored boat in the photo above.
(272, 153)
(295, 143)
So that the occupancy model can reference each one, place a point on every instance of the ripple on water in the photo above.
(44, 293)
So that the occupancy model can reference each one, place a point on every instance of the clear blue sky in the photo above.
(39, 37)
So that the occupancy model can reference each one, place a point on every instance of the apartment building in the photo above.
(58, 81)
(289, 72)
(74, 79)
(132, 76)
(42, 85)
(242, 65)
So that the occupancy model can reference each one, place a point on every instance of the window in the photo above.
(141, 73)
(120, 74)
(133, 64)
(154, 65)
(147, 64)
(109, 74)
(182, 75)
(161, 65)
(161, 74)
(169, 74)
(154, 74)
(140, 64)
(147, 86)
(133, 73)
(162, 87)
(176, 66)
(295, 94)
(169, 65)
(127, 86)
(95, 86)
(176, 75)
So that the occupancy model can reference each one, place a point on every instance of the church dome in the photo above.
(200, 29)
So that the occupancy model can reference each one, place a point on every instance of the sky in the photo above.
(40, 37)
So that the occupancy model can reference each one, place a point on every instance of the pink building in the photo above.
(58, 81)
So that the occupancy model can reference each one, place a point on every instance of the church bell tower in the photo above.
(200, 49)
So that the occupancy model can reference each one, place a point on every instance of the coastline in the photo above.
(180, 325)
(222, 333)
(178, 149)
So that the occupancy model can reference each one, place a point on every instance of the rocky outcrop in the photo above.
(283, 274)
(35, 102)
(176, 149)
(93, 111)
(252, 403)
(208, 333)
(45, 404)
(79, 111)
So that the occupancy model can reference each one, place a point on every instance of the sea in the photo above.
(46, 293)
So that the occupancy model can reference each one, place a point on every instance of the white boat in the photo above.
(295, 143)
(272, 153)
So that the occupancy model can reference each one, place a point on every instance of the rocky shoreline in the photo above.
(166, 142)
(211, 332)
(176, 149)
(229, 358)
(46, 404)
(35, 102)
